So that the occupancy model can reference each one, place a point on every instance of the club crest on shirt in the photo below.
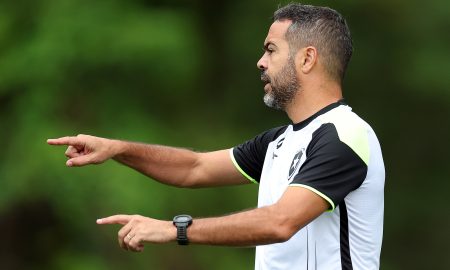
(295, 163)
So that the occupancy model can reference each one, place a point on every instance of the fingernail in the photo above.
(99, 221)
(69, 163)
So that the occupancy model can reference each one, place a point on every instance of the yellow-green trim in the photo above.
(353, 133)
(357, 139)
(318, 193)
(239, 168)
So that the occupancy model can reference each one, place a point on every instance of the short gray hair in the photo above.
(323, 28)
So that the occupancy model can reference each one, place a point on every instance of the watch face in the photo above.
(182, 219)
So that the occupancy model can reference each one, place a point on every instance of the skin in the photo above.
(317, 88)
(183, 168)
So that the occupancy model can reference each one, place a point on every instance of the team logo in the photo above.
(279, 144)
(295, 163)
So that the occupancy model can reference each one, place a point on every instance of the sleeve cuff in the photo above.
(240, 169)
(325, 197)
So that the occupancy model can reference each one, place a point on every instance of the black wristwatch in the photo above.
(182, 222)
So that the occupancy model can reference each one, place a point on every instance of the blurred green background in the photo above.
(183, 73)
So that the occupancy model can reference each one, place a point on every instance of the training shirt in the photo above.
(336, 155)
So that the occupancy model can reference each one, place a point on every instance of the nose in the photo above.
(262, 63)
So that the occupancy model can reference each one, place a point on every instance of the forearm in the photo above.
(168, 165)
(266, 225)
(249, 228)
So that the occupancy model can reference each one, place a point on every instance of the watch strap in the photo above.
(182, 235)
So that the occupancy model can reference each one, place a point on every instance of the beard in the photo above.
(284, 86)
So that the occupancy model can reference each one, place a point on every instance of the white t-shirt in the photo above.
(336, 155)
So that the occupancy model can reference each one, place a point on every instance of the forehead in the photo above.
(277, 31)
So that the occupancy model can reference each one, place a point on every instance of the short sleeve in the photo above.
(332, 169)
(249, 156)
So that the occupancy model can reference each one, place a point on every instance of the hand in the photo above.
(138, 229)
(85, 149)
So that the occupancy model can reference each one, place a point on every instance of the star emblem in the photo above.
(295, 163)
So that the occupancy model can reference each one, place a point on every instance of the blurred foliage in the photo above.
(183, 73)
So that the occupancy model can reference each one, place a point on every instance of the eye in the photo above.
(269, 50)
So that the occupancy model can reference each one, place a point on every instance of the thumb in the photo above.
(80, 161)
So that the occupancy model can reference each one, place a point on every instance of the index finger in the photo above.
(64, 141)
(117, 219)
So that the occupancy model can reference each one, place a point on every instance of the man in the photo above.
(321, 179)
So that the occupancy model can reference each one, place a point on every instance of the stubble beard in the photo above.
(284, 86)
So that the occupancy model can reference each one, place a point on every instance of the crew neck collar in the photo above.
(304, 123)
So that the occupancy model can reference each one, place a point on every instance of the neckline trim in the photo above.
(304, 123)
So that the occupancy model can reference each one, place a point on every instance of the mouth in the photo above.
(266, 82)
(265, 78)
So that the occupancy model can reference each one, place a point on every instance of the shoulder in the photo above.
(249, 156)
(272, 134)
(349, 128)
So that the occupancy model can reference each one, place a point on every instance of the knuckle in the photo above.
(131, 243)
(134, 242)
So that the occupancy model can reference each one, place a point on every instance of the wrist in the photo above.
(171, 232)
(117, 147)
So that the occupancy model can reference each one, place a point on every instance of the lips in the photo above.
(265, 78)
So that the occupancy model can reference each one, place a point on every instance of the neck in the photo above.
(311, 99)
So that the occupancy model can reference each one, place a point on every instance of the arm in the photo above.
(271, 224)
(168, 165)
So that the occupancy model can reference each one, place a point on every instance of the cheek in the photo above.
(276, 62)
(272, 68)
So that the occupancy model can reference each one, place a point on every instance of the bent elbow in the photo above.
(284, 233)
(283, 229)
(185, 183)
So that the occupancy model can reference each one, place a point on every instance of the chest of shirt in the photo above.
(283, 160)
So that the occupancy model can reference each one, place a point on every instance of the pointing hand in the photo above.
(136, 230)
(84, 149)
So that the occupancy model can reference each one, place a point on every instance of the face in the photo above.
(277, 66)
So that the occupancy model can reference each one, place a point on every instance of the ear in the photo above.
(307, 58)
